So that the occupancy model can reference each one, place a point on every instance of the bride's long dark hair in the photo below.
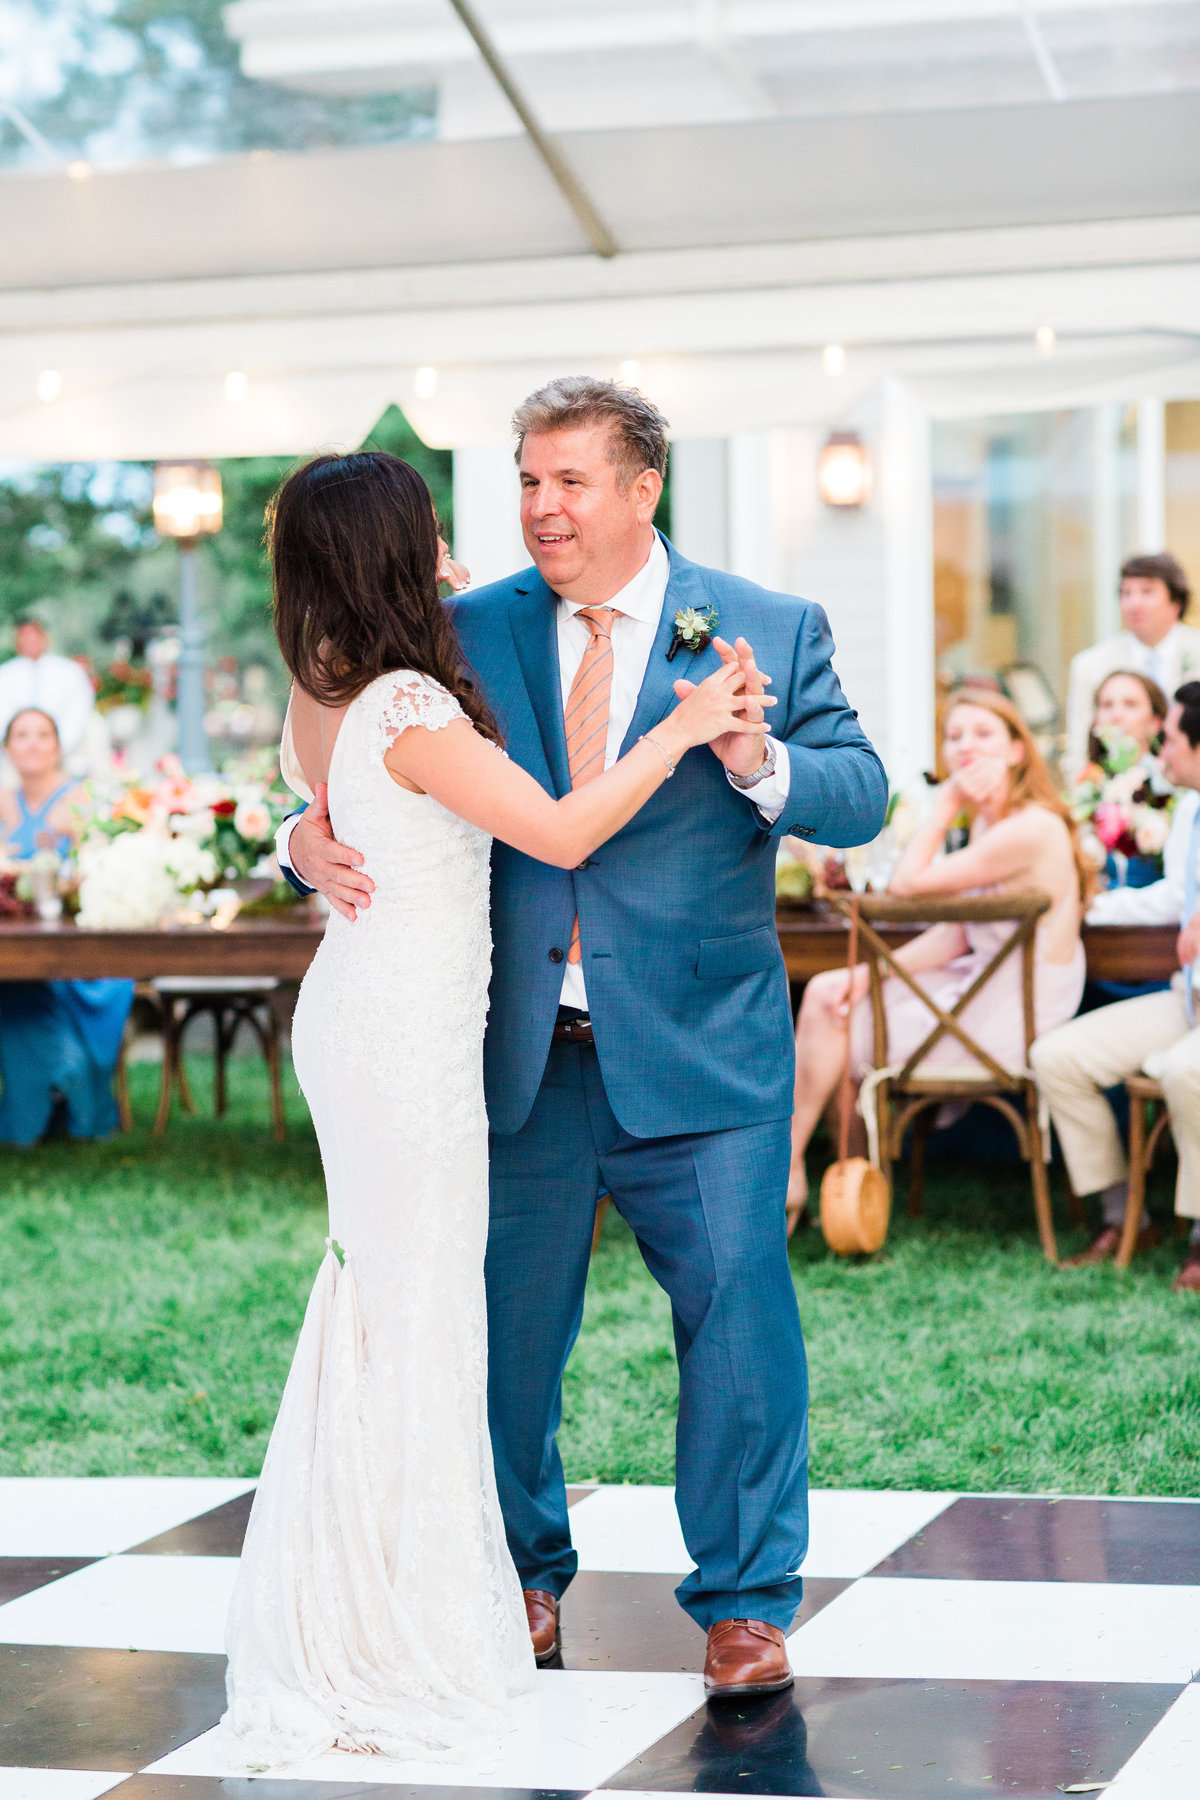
(354, 549)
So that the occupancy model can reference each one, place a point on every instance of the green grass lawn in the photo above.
(153, 1289)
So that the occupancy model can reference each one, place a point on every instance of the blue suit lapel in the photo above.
(685, 587)
(533, 617)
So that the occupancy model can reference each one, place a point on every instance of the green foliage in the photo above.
(154, 1289)
(77, 543)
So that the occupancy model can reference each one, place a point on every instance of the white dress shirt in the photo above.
(57, 686)
(1172, 661)
(640, 605)
(1160, 903)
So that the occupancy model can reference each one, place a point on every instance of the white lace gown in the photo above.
(377, 1608)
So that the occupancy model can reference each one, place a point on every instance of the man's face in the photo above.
(1181, 764)
(1147, 608)
(31, 640)
(579, 527)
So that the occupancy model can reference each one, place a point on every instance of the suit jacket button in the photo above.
(585, 864)
(556, 954)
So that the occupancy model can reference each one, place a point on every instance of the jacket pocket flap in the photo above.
(725, 958)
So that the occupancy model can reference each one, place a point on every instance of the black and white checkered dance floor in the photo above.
(963, 1646)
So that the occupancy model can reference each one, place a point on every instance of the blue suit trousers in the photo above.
(708, 1213)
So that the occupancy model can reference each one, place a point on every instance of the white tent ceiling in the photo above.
(931, 244)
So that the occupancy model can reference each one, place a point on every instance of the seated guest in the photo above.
(1122, 796)
(1022, 840)
(1128, 705)
(59, 1040)
(1153, 641)
(1155, 1032)
(38, 814)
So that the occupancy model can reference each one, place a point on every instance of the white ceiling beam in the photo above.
(283, 39)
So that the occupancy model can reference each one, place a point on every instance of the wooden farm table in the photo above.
(814, 939)
(34, 952)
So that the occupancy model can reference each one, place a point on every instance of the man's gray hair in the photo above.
(639, 439)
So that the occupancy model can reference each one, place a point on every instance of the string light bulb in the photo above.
(49, 385)
(425, 382)
(833, 359)
(629, 371)
(79, 170)
(236, 387)
(1046, 338)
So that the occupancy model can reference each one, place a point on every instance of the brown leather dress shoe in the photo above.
(541, 1609)
(1107, 1244)
(745, 1656)
(1188, 1279)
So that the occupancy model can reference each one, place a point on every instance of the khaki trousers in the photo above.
(1075, 1063)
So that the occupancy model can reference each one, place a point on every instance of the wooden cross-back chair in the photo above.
(904, 1094)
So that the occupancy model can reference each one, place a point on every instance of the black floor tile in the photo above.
(238, 1787)
(102, 1709)
(635, 1623)
(978, 1539)
(216, 1533)
(22, 1574)
(906, 1740)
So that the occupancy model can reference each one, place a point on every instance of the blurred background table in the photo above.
(254, 947)
(814, 939)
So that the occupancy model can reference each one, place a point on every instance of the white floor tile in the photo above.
(573, 1731)
(636, 1529)
(630, 1530)
(129, 1603)
(852, 1529)
(56, 1784)
(1003, 1631)
(92, 1516)
(1167, 1765)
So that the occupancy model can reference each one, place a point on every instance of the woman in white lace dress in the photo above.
(377, 1608)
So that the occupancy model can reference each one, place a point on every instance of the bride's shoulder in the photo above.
(400, 698)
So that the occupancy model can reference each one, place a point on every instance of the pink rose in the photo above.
(1110, 824)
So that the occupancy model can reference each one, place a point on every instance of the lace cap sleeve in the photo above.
(406, 697)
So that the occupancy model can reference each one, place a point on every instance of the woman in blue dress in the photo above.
(59, 1040)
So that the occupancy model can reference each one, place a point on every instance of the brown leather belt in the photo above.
(573, 1031)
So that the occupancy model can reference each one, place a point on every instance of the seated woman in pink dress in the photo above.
(1022, 840)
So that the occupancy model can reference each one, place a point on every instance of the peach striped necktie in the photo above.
(587, 713)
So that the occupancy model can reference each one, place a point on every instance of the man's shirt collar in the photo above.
(641, 598)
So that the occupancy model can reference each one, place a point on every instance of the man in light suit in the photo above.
(639, 1035)
(1154, 642)
(1158, 1034)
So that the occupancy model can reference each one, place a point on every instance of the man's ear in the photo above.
(648, 488)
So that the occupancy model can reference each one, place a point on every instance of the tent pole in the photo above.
(596, 231)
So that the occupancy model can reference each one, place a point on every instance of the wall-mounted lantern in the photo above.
(844, 470)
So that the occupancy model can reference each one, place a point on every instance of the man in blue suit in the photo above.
(639, 1036)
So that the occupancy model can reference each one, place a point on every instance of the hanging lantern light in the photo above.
(844, 470)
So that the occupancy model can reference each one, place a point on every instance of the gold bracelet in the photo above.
(665, 754)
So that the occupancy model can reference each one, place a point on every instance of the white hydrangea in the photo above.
(134, 881)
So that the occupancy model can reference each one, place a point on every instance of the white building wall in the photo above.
(487, 513)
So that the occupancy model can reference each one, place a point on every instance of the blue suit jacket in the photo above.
(685, 978)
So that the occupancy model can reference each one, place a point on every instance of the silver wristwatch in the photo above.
(765, 768)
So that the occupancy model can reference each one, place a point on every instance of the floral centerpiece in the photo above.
(1123, 804)
(149, 846)
(122, 684)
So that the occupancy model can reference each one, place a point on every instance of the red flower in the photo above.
(224, 809)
